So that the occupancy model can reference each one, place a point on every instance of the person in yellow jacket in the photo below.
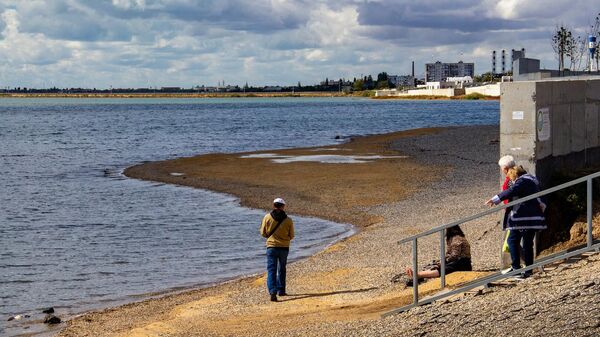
(278, 228)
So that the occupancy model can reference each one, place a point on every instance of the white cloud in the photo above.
(507, 9)
(133, 43)
(316, 55)
(127, 4)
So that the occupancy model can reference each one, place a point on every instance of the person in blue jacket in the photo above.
(523, 220)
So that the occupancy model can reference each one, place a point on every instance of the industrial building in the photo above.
(515, 55)
(439, 72)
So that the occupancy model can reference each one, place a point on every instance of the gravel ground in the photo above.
(343, 290)
(562, 302)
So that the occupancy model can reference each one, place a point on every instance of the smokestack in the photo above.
(494, 62)
(503, 61)
(413, 69)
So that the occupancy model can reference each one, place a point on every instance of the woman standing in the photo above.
(523, 220)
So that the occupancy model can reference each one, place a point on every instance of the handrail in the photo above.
(500, 207)
(493, 278)
(440, 229)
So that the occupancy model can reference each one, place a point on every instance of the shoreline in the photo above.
(228, 183)
(251, 179)
(308, 94)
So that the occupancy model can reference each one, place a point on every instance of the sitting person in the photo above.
(458, 256)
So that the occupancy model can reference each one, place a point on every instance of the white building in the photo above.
(460, 81)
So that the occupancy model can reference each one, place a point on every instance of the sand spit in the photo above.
(333, 191)
(343, 290)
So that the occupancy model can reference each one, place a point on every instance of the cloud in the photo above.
(132, 43)
(463, 16)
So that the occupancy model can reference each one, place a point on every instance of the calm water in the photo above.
(77, 235)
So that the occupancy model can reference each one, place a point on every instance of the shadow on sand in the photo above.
(295, 297)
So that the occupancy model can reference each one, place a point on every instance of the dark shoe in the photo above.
(520, 277)
(409, 283)
(282, 293)
(273, 297)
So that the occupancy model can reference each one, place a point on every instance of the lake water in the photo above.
(77, 235)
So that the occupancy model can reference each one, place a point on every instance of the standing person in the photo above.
(278, 228)
(524, 219)
(458, 256)
(506, 163)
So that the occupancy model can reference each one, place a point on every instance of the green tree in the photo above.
(382, 77)
(383, 84)
(358, 85)
(369, 82)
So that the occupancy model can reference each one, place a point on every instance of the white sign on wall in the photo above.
(518, 115)
(543, 124)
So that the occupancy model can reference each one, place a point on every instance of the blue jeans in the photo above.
(514, 246)
(276, 263)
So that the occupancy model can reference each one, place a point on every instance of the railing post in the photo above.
(442, 260)
(590, 237)
(415, 272)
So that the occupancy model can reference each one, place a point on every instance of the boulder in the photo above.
(51, 319)
(48, 310)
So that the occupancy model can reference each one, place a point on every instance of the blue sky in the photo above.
(148, 43)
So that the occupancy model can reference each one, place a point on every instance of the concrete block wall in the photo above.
(488, 90)
(567, 139)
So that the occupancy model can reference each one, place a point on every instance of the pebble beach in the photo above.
(439, 176)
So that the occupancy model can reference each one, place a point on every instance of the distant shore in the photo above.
(364, 94)
(175, 95)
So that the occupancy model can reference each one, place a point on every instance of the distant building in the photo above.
(439, 72)
(437, 85)
(170, 89)
(528, 69)
(516, 54)
(402, 80)
(334, 83)
(460, 82)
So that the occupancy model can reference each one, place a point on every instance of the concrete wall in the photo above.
(386, 92)
(552, 125)
(449, 92)
(488, 90)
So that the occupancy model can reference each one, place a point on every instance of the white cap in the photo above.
(279, 201)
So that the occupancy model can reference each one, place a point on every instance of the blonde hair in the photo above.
(515, 172)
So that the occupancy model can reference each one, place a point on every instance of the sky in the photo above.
(155, 43)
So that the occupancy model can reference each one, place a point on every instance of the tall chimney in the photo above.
(413, 69)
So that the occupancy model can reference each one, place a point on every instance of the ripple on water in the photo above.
(72, 217)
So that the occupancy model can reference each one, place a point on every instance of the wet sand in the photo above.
(447, 173)
(339, 192)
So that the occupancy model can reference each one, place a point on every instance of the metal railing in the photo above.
(497, 276)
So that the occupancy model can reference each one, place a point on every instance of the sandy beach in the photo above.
(422, 179)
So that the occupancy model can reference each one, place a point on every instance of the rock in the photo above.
(588, 284)
(578, 230)
(17, 317)
(48, 310)
(338, 137)
(51, 319)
